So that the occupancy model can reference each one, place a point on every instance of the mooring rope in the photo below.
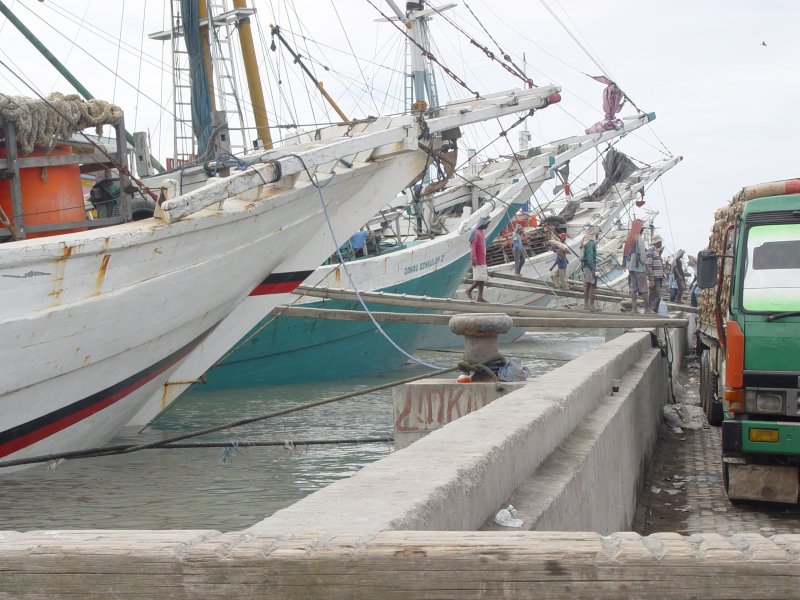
(342, 262)
(127, 449)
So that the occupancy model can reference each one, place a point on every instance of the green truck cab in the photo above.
(749, 341)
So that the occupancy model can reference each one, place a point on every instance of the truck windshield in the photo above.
(772, 269)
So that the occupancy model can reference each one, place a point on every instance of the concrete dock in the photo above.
(566, 450)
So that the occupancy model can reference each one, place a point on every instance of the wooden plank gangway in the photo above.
(540, 286)
(591, 320)
(448, 304)
(524, 316)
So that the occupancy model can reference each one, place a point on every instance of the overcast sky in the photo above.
(724, 101)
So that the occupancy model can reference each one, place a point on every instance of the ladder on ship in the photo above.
(222, 24)
(229, 101)
(184, 144)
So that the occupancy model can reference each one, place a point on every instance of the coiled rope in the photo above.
(45, 122)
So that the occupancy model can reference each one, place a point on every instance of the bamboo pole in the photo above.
(594, 321)
(573, 284)
(543, 287)
(447, 304)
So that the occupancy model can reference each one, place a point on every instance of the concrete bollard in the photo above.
(480, 333)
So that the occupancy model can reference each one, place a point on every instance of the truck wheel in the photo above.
(704, 375)
(725, 477)
(714, 412)
(708, 391)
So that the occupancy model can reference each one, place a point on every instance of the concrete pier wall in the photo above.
(430, 404)
(591, 481)
(384, 532)
(458, 476)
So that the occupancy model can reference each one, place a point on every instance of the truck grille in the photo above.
(772, 380)
(774, 217)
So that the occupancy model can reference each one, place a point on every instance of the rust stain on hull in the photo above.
(58, 276)
(101, 275)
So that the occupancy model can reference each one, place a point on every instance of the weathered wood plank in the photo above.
(405, 564)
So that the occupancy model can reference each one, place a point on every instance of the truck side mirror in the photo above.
(706, 269)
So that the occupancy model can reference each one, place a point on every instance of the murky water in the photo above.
(225, 489)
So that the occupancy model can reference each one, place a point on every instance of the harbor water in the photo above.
(234, 487)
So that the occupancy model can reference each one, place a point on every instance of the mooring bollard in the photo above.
(480, 331)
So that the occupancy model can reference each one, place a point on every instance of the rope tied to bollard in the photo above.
(469, 367)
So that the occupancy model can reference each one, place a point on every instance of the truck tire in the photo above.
(714, 412)
(704, 375)
(708, 391)
(141, 208)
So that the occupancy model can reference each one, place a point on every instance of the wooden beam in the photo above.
(545, 287)
(57, 160)
(17, 215)
(200, 564)
(447, 304)
(592, 320)
(573, 284)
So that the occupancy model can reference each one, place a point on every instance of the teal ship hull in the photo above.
(290, 350)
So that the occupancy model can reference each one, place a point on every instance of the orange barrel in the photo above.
(49, 194)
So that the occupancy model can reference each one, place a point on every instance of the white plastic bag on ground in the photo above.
(506, 517)
(683, 415)
(513, 370)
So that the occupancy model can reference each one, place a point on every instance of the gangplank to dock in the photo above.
(523, 316)
(540, 286)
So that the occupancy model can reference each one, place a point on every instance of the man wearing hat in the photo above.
(477, 246)
(655, 269)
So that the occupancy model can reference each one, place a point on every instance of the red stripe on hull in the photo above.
(45, 431)
(284, 287)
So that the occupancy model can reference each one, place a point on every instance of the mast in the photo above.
(421, 93)
(206, 50)
(422, 87)
(61, 68)
(524, 134)
(253, 78)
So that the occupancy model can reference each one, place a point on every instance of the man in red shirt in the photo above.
(477, 244)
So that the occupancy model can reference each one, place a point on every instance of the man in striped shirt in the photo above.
(655, 269)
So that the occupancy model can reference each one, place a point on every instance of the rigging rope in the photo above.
(515, 71)
(666, 209)
(316, 184)
(426, 53)
(506, 55)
